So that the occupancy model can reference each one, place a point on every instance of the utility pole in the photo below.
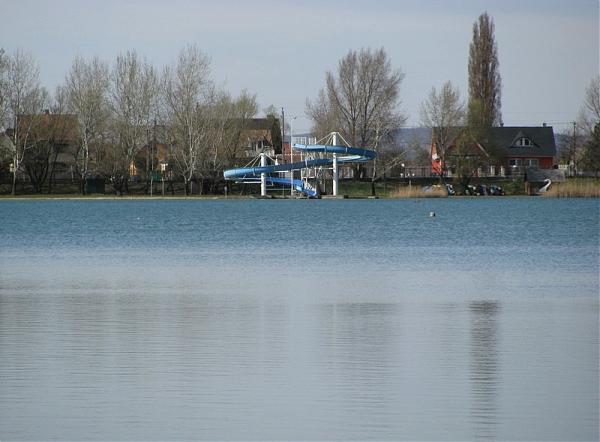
(335, 166)
(574, 148)
(263, 175)
(152, 152)
(291, 155)
(283, 131)
(282, 128)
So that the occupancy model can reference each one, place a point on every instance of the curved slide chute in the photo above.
(253, 173)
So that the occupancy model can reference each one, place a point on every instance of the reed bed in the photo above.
(417, 192)
(574, 189)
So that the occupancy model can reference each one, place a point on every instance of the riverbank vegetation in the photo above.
(418, 192)
(575, 188)
(422, 188)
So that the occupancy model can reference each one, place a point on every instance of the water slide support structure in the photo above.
(263, 175)
(339, 154)
(335, 166)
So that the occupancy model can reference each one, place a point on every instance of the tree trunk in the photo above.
(55, 151)
(374, 176)
(14, 184)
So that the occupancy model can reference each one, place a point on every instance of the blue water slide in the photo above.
(252, 173)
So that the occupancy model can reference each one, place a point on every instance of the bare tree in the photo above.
(570, 143)
(361, 99)
(589, 114)
(4, 63)
(86, 95)
(468, 155)
(591, 151)
(592, 99)
(443, 112)
(49, 135)
(23, 96)
(187, 91)
(134, 93)
(243, 109)
(230, 117)
(217, 115)
(5, 145)
(325, 117)
(365, 92)
(582, 141)
(484, 77)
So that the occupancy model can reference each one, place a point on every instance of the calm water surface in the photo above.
(271, 320)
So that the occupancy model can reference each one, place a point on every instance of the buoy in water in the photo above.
(431, 214)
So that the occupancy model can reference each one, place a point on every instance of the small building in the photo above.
(261, 135)
(522, 148)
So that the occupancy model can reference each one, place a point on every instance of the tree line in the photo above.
(118, 109)
(120, 106)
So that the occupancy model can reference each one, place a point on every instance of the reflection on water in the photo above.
(484, 367)
(357, 357)
(185, 326)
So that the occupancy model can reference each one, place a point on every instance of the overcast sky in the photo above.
(280, 50)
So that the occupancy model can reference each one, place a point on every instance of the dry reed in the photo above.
(574, 189)
(417, 192)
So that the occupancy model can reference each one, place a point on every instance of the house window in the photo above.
(304, 140)
(532, 162)
(523, 142)
(515, 162)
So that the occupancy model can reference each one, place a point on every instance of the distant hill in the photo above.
(415, 142)
(405, 136)
(564, 142)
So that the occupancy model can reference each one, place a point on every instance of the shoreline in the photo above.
(60, 197)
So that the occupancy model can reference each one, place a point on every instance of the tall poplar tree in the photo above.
(484, 78)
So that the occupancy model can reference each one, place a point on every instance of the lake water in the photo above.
(282, 319)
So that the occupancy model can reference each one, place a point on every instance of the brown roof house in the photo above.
(46, 143)
(261, 135)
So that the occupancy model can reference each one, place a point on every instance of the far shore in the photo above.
(256, 197)
(572, 188)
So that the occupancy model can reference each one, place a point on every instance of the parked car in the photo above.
(482, 189)
(496, 191)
